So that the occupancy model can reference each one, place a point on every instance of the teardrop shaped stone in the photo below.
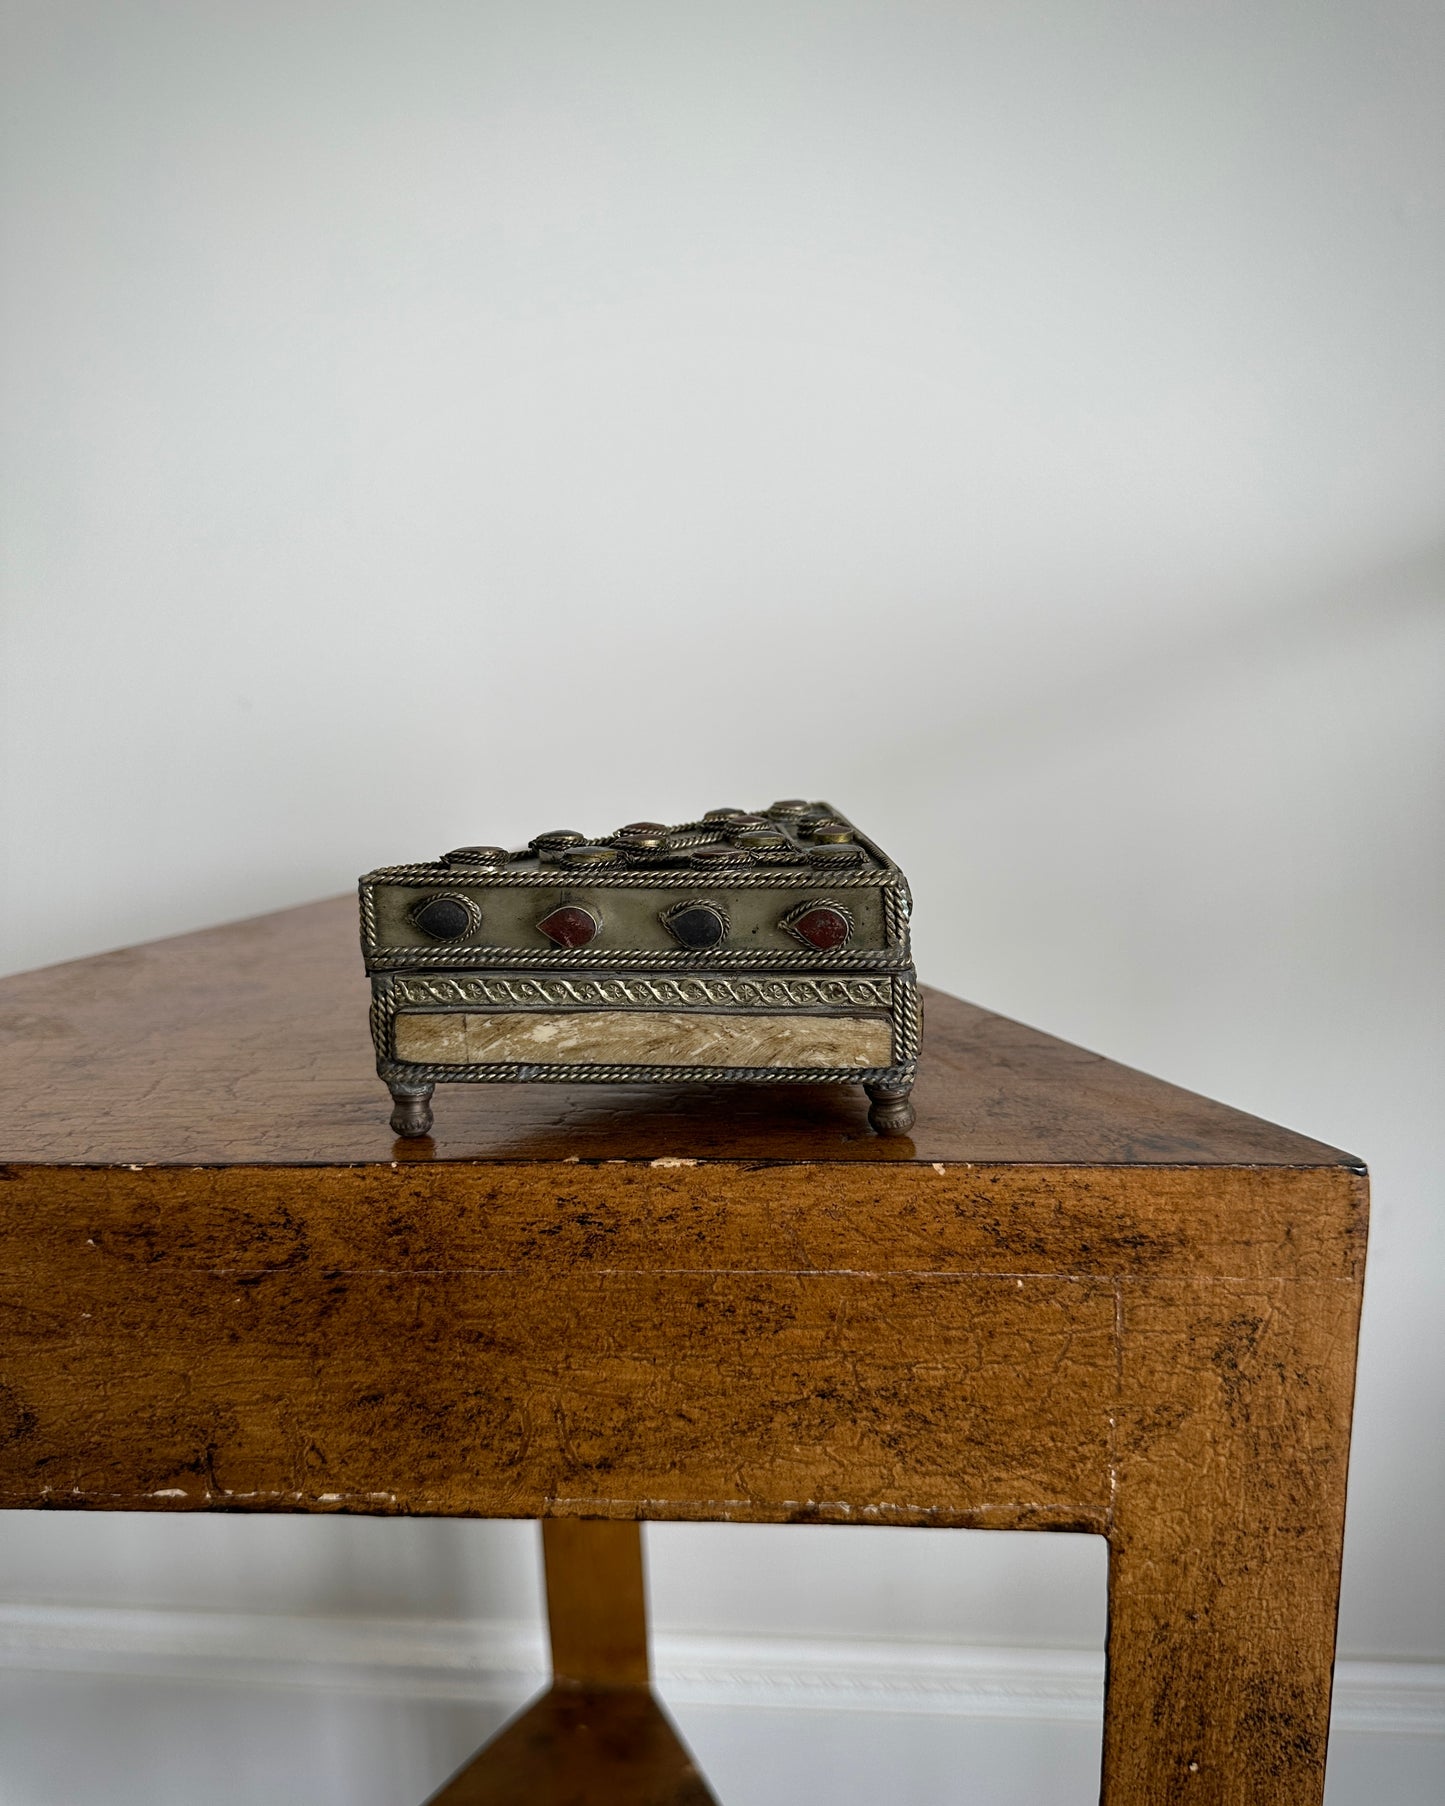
(823, 927)
(570, 926)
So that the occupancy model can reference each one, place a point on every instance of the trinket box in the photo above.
(768, 947)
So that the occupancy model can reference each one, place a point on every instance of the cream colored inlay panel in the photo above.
(642, 1038)
(434, 1038)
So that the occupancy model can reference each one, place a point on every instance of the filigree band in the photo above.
(648, 991)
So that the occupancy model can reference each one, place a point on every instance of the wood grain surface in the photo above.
(1076, 1298)
(249, 1044)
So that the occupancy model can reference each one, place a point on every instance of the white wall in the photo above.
(1017, 422)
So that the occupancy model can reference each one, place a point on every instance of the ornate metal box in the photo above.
(742, 948)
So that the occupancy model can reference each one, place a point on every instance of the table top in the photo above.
(248, 1044)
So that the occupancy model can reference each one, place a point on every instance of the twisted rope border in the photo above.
(585, 959)
(403, 1073)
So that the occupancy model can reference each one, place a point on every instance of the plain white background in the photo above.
(1019, 423)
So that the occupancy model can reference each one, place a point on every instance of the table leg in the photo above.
(596, 1605)
(596, 1737)
(1225, 1543)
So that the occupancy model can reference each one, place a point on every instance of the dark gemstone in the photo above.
(570, 926)
(696, 925)
(820, 925)
(443, 918)
(790, 805)
(649, 828)
(723, 814)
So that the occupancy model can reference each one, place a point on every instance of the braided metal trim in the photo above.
(649, 991)
(681, 840)
(632, 877)
(404, 1073)
(907, 1021)
(868, 959)
(897, 906)
(383, 1009)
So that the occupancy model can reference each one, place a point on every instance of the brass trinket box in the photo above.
(767, 947)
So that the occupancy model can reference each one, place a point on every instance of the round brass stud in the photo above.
(476, 856)
(718, 856)
(589, 855)
(642, 837)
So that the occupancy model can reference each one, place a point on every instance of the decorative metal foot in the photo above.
(412, 1115)
(891, 1112)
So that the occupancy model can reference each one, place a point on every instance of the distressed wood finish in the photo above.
(1076, 1298)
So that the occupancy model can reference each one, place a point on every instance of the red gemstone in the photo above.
(570, 926)
(822, 927)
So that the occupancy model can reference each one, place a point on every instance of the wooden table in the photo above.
(1077, 1299)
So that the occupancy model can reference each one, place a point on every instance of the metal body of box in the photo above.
(769, 947)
